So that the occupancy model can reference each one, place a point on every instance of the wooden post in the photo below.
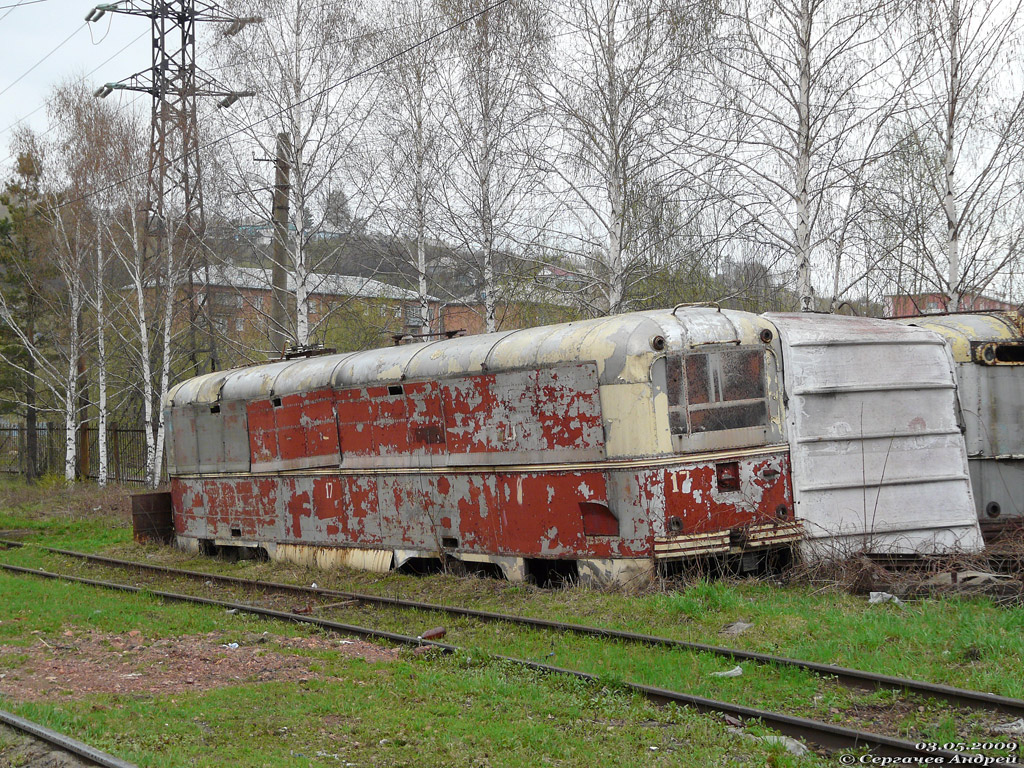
(83, 452)
(115, 450)
(279, 315)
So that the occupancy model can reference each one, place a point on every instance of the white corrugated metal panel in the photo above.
(879, 463)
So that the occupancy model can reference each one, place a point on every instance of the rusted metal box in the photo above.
(151, 518)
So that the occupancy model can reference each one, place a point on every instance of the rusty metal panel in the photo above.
(290, 438)
(425, 418)
(264, 451)
(151, 518)
(391, 427)
(183, 431)
(307, 430)
(209, 436)
(356, 412)
(236, 436)
(519, 416)
(696, 502)
(540, 513)
(470, 418)
(878, 460)
(188, 500)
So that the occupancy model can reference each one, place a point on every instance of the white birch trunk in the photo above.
(487, 224)
(490, 289)
(71, 386)
(70, 422)
(300, 271)
(101, 350)
(421, 274)
(136, 269)
(421, 219)
(616, 181)
(165, 366)
(803, 165)
(949, 163)
(301, 298)
(616, 221)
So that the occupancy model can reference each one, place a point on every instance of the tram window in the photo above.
(697, 390)
(728, 417)
(724, 389)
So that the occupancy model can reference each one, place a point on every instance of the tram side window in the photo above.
(717, 390)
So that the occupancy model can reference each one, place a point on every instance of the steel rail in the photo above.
(823, 734)
(63, 741)
(852, 678)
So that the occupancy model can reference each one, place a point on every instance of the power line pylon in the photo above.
(175, 82)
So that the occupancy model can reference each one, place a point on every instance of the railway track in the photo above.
(827, 735)
(90, 755)
(852, 678)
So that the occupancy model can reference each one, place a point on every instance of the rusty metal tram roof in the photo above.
(620, 345)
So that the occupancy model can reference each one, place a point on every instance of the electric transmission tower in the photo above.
(175, 82)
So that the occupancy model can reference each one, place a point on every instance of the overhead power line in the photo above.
(317, 94)
(17, 5)
(82, 79)
(30, 69)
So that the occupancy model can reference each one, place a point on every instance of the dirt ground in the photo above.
(18, 750)
(76, 501)
(80, 663)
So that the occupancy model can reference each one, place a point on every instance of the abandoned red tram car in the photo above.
(612, 445)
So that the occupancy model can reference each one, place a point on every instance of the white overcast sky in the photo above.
(32, 30)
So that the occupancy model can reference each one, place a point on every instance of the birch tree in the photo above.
(612, 87)
(409, 126)
(90, 149)
(806, 88)
(155, 279)
(962, 138)
(295, 62)
(51, 336)
(486, 94)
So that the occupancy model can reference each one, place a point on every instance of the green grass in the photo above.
(967, 642)
(417, 711)
(963, 641)
(404, 714)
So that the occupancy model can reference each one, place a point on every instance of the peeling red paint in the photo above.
(692, 494)
(542, 508)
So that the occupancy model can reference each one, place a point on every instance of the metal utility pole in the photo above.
(175, 82)
(279, 336)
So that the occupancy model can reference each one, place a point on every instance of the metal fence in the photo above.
(126, 452)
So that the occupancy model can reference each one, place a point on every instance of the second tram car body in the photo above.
(988, 349)
(614, 444)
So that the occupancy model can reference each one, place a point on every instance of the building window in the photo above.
(413, 316)
(227, 300)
